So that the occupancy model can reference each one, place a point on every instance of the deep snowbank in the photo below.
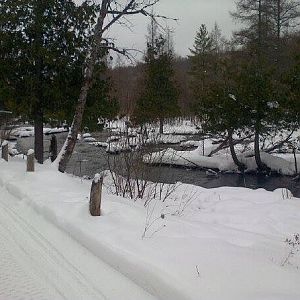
(225, 243)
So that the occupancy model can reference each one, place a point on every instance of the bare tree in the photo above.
(111, 12)
(285, 15)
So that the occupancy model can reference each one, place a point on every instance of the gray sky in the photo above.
(191, 14)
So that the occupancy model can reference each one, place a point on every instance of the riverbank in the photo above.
(88, 160)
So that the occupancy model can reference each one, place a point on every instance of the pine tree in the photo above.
(201, 61)
(159, 98)
(258, 86)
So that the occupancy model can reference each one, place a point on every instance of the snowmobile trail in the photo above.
(39, 261)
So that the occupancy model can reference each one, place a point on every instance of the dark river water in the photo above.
(89, 160)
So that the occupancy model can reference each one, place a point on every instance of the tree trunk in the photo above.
(295, 161)
(161, 125)
(260, 165)
(278, 31)
(239, 164)
(71, 140)
(260, 32)
(38, 137)
(39, 10)
(278, 25)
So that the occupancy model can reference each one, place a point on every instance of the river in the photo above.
(88, 160)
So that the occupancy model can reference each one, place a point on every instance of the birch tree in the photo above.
(111, 12)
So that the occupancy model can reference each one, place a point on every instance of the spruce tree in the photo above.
(201, 61)
(159, 97)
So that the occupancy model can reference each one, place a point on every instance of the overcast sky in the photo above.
(191, 14)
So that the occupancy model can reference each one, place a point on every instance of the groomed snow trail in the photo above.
(38, 261)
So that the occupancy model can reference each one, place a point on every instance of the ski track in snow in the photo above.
(35, 264)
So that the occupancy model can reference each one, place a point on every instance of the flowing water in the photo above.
(88, 160)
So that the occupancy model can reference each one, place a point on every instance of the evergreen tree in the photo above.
(261, 94)
(223, 110)
(100, 103)
(159, 98)
(292, 95)
(255, 79)
(201, 62)
(43, 43)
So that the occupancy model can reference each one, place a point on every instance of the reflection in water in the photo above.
(89, 160)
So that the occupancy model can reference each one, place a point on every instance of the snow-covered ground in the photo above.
(39, 261)
(28, 131)
(182, 126)
(224, 243)
(117, 144)
(205, 156)
(283, 164)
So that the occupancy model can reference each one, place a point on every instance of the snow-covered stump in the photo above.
(95, 196)
(5, 151)
(30, 160)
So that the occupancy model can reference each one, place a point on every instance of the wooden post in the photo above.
(5, 151)
(53, 148)
(95, 196)
(30, 160)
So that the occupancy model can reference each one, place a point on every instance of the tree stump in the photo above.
(95, 196)
(53, 148)
(5, 151)
(30, 160)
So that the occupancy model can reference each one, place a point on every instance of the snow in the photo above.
(192, 158)
(184, 127)
(28, 131)
(55, 130)
(190, 144)
(89, 139)
(99, 144)
(283, 164)
(166, 139)
(180, 126)
(30, 152)
(86, 135)
(97, 178)
(118, 144)
(39, 261)
(224, 243)
(12, 150)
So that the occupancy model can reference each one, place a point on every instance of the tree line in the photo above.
(54, 62)
(247, 84)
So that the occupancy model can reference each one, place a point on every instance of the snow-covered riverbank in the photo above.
(200, 243)
(283, 164)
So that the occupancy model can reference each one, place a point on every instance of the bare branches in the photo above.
(133, 8)
(125, 52)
